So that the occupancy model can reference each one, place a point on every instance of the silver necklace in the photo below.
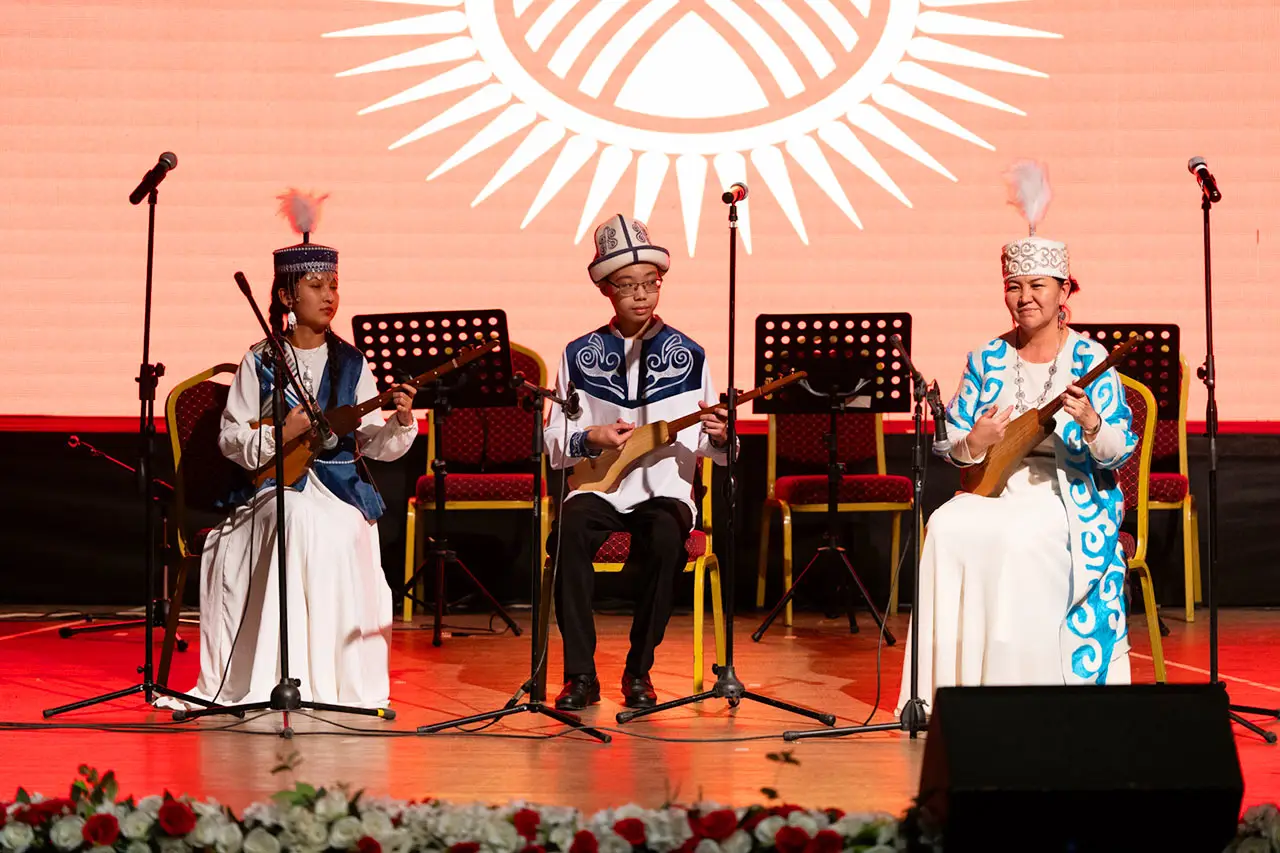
(1020, 397)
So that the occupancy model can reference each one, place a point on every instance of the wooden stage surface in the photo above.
(816, 664)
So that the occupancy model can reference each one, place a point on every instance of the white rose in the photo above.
(739, 842)
(260, 840)
(332, 806)
(376, 825)
(307, 829)
(138, 847)
(173, 845)
(706, 845)
(210, 808)
(850, 825)
(100, 849)
(16, 836)
(205, 832)
(136, 825)
(345, 832)
(768, 828)
(562, 836)
(397, 841)
(266, 814)
(500, 835)
(804, 821)
(67, 833)
(230, 838)
(151, 805)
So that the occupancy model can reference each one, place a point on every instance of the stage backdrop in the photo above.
(468, 149)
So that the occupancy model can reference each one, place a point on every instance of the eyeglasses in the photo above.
(630, 288)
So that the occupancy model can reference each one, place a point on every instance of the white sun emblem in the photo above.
(703, 83)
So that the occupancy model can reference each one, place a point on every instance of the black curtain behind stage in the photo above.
(72, 526)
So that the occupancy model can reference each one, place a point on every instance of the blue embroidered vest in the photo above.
(337, 468)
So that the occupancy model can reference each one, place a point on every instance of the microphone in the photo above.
(516, 381)
(1208, 185)
(244, 283)
(152, 179)
(941, 444)
(572, 407)
(737, 192)
(73, 441)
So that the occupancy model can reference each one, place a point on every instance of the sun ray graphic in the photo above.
(695, 90)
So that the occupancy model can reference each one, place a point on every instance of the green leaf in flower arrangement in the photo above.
(110, 787)
(79, 791)
(307, 792)
(770, 793)
(22, 797)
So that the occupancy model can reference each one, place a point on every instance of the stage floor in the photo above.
(694, 751)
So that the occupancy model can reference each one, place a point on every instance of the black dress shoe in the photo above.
(637, 691)
(579, 692)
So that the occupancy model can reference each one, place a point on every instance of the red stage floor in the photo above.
(817, 664)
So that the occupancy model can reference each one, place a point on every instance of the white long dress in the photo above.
(339, 603)
(996, 573)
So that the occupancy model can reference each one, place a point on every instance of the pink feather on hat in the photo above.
(301, 209)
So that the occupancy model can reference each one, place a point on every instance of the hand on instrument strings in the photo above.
(1076, 403)
(610, 436)
(988, 430)
(715, 423)
(403, 398)
(296, 423)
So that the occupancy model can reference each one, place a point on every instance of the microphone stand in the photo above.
(913, 719)
(536, 687)
(1208, 375)
(285, 696)
(728, 686)
(162, 605)
(147, 377)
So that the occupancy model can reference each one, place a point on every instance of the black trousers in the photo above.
(658, 529)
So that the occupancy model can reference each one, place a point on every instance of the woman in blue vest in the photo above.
(339, 602)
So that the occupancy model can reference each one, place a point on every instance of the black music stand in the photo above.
(851, 365)
(1154, 363)
(412, 343)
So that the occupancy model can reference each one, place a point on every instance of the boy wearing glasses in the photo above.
(633, 371)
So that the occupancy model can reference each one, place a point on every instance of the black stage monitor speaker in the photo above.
(1142, 767)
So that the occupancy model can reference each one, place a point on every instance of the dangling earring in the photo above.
(1062, 317)
(291, 321)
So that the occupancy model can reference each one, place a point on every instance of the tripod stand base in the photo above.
(841, 555)
(1234, 712)
(571, 720)
(149, 689)
(440, 558)
(730, 689)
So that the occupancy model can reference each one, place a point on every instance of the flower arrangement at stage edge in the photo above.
(91, 818)
(310, 820)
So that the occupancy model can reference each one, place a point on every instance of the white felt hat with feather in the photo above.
(1029, 191)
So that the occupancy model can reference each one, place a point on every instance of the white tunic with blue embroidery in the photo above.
(662, 376)
(339, 601)
(1028, 588)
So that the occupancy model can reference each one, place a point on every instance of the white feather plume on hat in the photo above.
(1029, 190)
(301, 209)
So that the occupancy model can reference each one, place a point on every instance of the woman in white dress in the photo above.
(1027, 587)
(339, 603)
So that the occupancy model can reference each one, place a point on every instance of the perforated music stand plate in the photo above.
(1153, 363)
(835, 350)
(413, 342)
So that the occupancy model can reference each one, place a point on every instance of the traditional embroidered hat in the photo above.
(303, 212)
(621, 242)
(1029, 191)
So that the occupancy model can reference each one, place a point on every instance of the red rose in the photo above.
(826, 841)
(785, 810)
(176, 818)
(717, 825)
(689, 846)
(632, 830)
(791, 839)
(368, 845)
(38, 814)
(101, 830)
(584, 842)
(527, 822)
(534, 848)
(465, 847)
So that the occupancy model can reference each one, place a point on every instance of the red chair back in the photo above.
(499, 439)
(801, 448)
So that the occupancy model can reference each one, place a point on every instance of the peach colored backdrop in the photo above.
(246, 94)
